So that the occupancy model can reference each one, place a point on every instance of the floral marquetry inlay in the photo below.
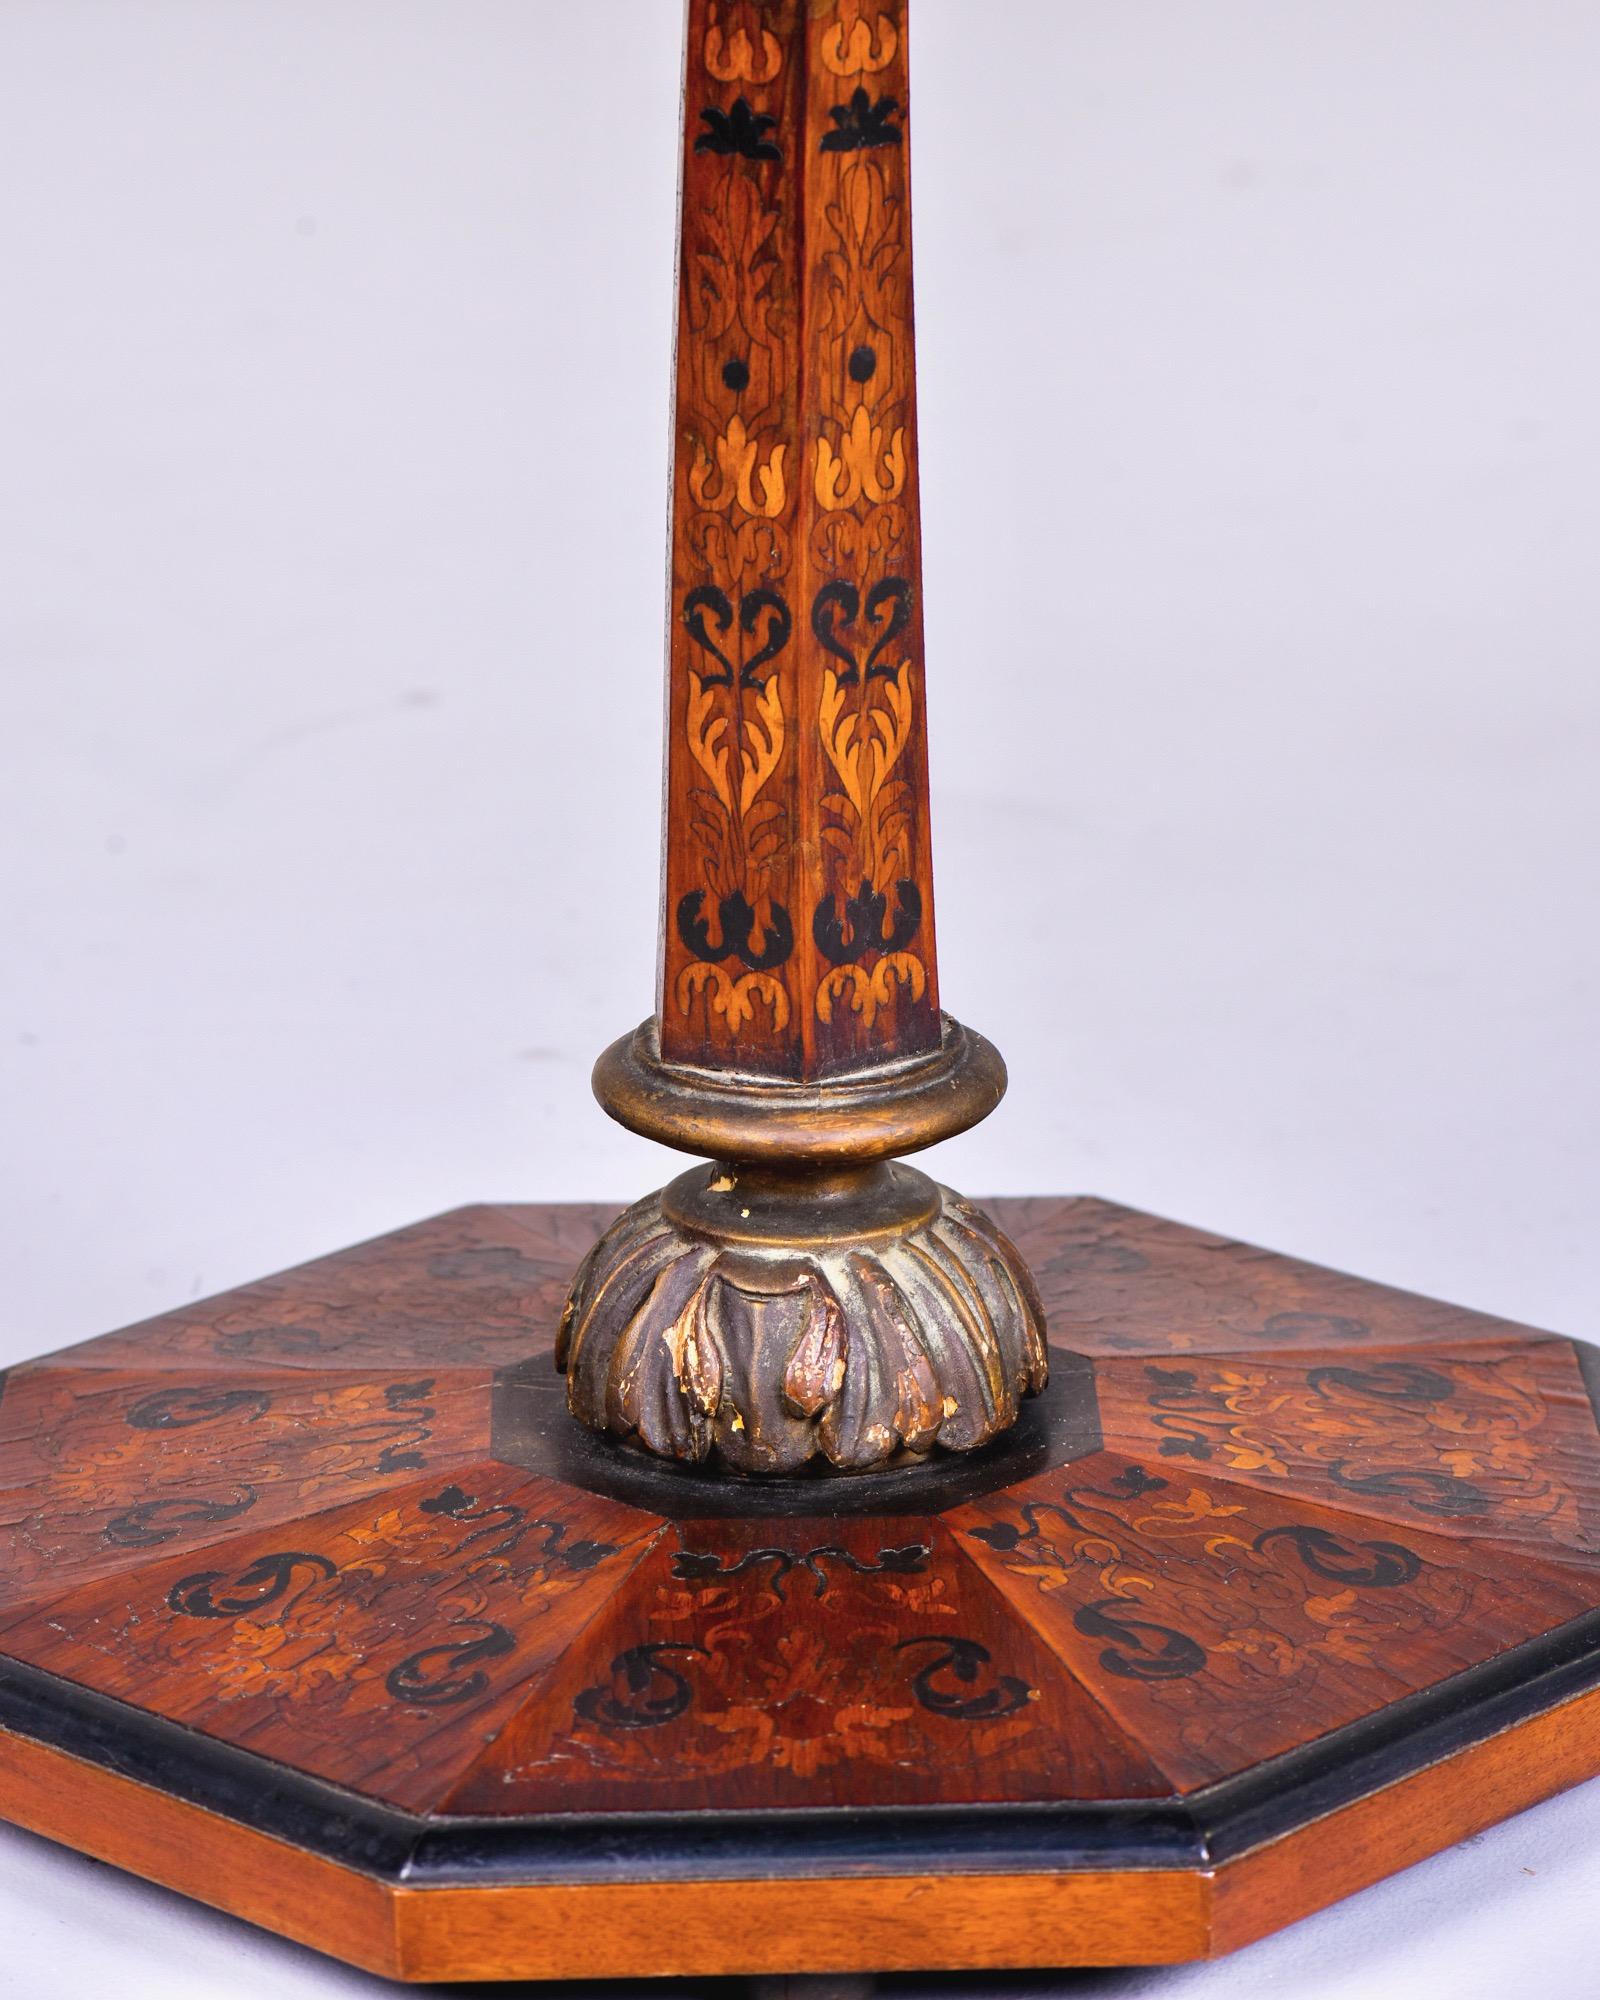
(328, 1555)
(297, 1520)
(798, 923)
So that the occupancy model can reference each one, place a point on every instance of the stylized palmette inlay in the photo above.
(799, 911)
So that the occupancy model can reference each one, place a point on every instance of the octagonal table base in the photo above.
(320, 1608)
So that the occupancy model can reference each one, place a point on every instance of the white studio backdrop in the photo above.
(1260, 418)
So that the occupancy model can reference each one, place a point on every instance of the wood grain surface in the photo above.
(331, 1524)
(798, 897)
(1131, 1916)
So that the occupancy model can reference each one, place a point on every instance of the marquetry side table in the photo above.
(807, 1570)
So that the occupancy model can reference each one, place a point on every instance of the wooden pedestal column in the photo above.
(802, 1297)
(317, 1604)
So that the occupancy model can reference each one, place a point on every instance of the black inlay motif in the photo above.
(964, 1660)
(842, 600)
(416, 1681)
(863, 122)
(644, 1693)
(1140, 1650)
(1367, 1565)
(891, 594)
(1006, 1536)
(1132, 1483)
(153, 1522)
(405, 1431)
(706, 1566)
(751, 606)
(510, 1524)
(182, 1409)
(1427, 1492)
(863, 363)
(262, 1583)
(1394, 1381)
(834, 610)
(864, 927)
(741, 130)
(245, 1341)
(1178, 1389)
(736, 922)
(707, 597)
(736, 375)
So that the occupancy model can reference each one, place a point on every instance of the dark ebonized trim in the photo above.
(1589, 1368)
(532, 1428)
(1405, 1737)
(1217, 1823)
(265, 1796)
(810, 1842)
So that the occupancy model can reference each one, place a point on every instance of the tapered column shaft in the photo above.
(798, 935)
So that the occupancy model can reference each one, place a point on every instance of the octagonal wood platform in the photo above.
(317, 1606)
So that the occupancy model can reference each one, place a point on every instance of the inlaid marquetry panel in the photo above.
(340, 1518)
(375, 1645)
(1224, 1626)
(1271, 1539)
(798, 918)
(764, 1663)
(1488, 1440)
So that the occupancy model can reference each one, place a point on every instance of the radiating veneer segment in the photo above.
(769, 1663)
(477, 1285)
(1223, 1627)
(101, 1467)
(1117, 1281)
(371, 1645)
(1494, 1441)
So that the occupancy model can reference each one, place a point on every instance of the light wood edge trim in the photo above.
(200, 1854)
(1419, 1816)
(843, 1924)
(601, 1930)
(868, 1924)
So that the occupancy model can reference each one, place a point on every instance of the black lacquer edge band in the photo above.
(1588, 1359)
(180, 1762)
(1215, 1824)
(1399, 1740)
